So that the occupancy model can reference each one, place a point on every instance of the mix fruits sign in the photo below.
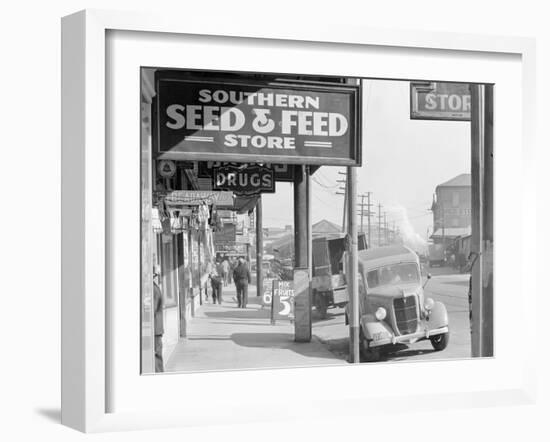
(255, 121)
(440, 101)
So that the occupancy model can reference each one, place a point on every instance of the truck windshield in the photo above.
(393, 274)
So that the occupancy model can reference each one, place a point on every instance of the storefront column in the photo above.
(300, 217)
(147, 310)
(259, 247)
(482, 220)
(302, 325)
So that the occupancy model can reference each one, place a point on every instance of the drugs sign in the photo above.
(244, 180)
(440, 101)
(256, 121)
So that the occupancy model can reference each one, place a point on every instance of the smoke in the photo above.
(410, 237)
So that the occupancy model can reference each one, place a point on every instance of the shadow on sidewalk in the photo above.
(238, 314)
(278, 341)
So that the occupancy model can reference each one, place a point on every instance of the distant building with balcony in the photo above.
(452, 209)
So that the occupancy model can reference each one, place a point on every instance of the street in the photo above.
(223, 337)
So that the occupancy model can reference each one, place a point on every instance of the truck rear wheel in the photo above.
(322, 305)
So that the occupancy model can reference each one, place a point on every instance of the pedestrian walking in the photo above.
(241, 277)
(158, 319)
(216, 283)
(225, 271)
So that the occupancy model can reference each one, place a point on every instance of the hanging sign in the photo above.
(272, 122)
(281, 172)
(227, 234)
(244, 180)
(440, 101)
(166, 168)
(196, 197)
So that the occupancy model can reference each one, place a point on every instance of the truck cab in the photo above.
(392, 305)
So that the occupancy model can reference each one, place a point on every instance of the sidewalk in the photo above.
(224, 337)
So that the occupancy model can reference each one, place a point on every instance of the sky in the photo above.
(403, 161)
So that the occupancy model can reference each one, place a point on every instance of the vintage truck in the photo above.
(329, 283)
(436, 254)
(392, 306)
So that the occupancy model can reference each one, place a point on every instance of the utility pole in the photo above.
(367, 212)
(385, 230)
(362, 211)
(343, 187)
(379, 224)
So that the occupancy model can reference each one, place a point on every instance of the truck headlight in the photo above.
(429, 304)
(380, 313)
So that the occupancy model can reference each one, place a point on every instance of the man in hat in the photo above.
(241, 277)
(158, 305)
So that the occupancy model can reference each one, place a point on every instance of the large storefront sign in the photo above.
(271, 122)
(440, 101)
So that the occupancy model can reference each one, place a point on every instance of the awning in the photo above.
(452, 232)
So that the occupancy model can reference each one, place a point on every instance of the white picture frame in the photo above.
(90, 370)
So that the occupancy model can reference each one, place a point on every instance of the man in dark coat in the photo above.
(158, 305)
(241, 277)
(216, 282)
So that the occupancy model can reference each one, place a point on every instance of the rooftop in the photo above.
(383, 252)
(325, 226)
(462, 180)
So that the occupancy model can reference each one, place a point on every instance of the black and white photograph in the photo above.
(294, 220)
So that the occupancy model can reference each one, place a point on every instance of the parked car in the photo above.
(392, 305)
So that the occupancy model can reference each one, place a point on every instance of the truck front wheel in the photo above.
(366, 352)
(440, 342)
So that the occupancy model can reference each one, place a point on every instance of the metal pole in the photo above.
(353, 291)
(309, 224)
(259, 247)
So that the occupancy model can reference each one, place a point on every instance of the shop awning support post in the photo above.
(259, 247)
(482, 220)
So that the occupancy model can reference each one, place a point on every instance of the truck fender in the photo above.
(438, 316)
(371, 326)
